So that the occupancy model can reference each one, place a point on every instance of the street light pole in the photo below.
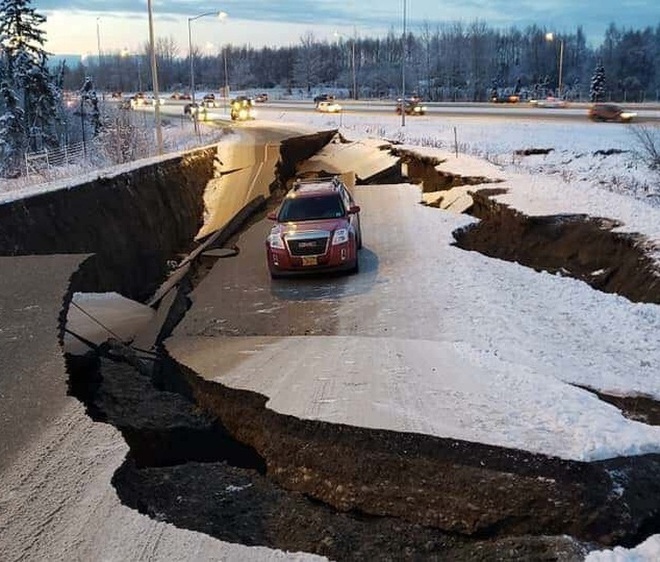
(98, 37)
(403, 69)
(224, 52)
(551, 37)
(561, 65)
(221, 15)
(154, 76)
(192, 65)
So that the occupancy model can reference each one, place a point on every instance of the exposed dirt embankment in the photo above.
(214, 459)
(578, 246)
(132, 221)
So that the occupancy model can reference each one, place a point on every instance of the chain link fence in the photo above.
(119, 143)
(40, 164)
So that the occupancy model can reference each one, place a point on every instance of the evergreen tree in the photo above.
(12, 133)
(597, 88)
(30, 97)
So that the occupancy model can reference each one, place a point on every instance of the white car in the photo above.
(550, 102)
(328, 107)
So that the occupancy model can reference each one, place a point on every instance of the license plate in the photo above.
(309, 260)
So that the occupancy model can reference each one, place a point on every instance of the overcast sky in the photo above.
(122, 24)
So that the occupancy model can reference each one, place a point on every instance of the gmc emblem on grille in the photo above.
(307, 244)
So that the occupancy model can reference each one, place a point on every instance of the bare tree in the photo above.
(306, 68)
(648, 142)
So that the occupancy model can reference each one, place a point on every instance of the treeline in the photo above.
(444, 62)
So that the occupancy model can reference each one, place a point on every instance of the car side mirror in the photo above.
(354, 210)
(272, 216)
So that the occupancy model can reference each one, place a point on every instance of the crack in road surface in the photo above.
(214, 459)
(210, 458)
(577, 246)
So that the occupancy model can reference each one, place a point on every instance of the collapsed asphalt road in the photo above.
(381, 493)
(183, 468)
(209, 456)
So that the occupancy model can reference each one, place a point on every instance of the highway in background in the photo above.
(646, 113)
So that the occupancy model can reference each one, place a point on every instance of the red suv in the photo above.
(317, 229)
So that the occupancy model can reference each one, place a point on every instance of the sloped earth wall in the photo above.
(577, 246)
(133, 222)
(213, 459)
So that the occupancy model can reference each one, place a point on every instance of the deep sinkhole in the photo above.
(212, 459)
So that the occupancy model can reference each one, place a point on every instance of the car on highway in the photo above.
(610, 112)
(317, 229)
(191, 109)
(180, 96)
(138, 100)
(151, 100)
(412, 106)
(504, 98)
(261, 98)
(242, 109)
(549, 102)
(323, 97)
(328, 107)
(209, 100)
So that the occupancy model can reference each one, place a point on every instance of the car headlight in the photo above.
(275, 241)
(340, 236)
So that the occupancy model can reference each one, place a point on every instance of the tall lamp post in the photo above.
(154, 79)
(403, 69)
(226, 92)
(551, 37)
(98, 37)
(222, 16)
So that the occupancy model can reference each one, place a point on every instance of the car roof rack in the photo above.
(335, 180)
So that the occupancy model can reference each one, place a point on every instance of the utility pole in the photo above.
(226, 77)
(154, 76)
(403, 69)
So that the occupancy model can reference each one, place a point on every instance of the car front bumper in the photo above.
(341, 257)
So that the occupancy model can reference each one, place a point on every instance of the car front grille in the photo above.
(308, 244)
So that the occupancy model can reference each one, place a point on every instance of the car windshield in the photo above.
(311, 208)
